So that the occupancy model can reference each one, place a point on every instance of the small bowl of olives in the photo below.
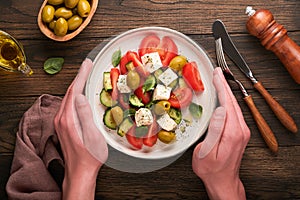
(62, 20)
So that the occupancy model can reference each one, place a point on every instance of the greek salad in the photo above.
(145, 92)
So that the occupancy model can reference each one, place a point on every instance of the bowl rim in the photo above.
(153, 29)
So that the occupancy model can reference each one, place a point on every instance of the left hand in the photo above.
(83, 146)
(217, 159)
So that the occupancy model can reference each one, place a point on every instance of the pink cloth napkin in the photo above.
(35, 148)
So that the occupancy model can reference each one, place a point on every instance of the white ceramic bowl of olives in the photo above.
(62, 20)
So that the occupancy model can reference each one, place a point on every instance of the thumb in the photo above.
(84, 111)
(93, 140)
(214, 132)
(82, 76)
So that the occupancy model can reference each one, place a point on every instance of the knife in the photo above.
(219, 31)
(262, 125)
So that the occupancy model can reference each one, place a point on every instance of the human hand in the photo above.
(217, 159)
(83, 146)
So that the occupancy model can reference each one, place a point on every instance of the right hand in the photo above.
(217, 159)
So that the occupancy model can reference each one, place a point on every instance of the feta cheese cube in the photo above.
(161, 92)
(167, 77)
(122, 84)
(143, 117)
(166, 122)
(151, 61)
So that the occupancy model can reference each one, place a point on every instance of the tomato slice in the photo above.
(168, 50)
(151, 138)
(133, 57)
(181, 97)
(149, 44)
(145, 97)
(114, 75)
(136, 142)
(123, 63)
(150, 141)
(191, 75)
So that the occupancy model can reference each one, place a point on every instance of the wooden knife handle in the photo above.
(278, 110)
(262, 125)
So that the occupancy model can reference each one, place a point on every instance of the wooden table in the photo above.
(265, 176)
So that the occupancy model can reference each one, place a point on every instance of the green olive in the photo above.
(117, 114)
(48, 13)
(178, 62)
(74, 22)
(55, 2)
(61, 27)
(166, 136)
(83, 8)
(52, 24)
(63, 12)
(162, 107)
(71, 3)
(133, 79)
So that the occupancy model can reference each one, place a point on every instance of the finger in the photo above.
(225, 95)
(93, 140)
(214, 132)
(84, 111)
(228, 100)
(82, 76)
(219, 85)
(233, 101)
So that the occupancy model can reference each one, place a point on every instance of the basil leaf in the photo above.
(196, 110)
(53, 65)
(116, 57)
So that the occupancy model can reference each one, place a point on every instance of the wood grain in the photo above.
(264, 175)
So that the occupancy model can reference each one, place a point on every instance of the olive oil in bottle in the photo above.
(12, 56)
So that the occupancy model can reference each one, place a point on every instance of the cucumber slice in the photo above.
(173, 84)
(181, 83)
(105, 99)
(108, 119)
(135, 101)
(175, 114)
(107, 81)
(157, 73)
(125, 126)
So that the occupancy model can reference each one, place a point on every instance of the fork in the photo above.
(261, 123)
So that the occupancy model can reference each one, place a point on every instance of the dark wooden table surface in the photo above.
(265, 176)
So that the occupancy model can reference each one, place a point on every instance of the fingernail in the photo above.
(220, 112)
(217, 76)
(88, 61)
(86, 65)
(80, 100)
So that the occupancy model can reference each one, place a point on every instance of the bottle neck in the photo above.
(25, 69)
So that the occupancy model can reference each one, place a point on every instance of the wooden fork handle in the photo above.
(262, 125)
(278, 110)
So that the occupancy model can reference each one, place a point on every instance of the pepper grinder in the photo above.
(273, 36)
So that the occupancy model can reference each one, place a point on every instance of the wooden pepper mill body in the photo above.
(273, 36)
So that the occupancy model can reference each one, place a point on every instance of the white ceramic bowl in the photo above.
(130, 40)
